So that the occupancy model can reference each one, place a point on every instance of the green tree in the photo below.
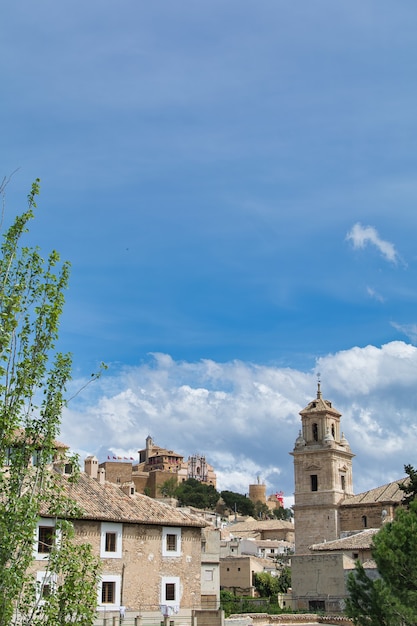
(169, 487)
(390, 600)
(238, 502)
(266, 584)
(262, 511)
(284, 579)
(282, 513)
(192, 492)
(410, 486)
(33, 376)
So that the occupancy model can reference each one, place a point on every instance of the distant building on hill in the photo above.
(257, 493)
(156, 466)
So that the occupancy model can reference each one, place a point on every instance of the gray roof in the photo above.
(259, 526)
(357, 541)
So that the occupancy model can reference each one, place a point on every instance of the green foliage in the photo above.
(33, 376)
(265, 584)
(410, 488)
(262, 511)
(169, 488)
(284, 579)
(227, 602)
(232, 604)
(284, 514)
(239, 503)
(192, 492)
(268, 585)
(392, 599)
(370, 601)
(72, 573)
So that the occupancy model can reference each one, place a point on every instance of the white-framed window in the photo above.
(111, 540)
(45, 585)
(46, 535)
(109, 592)
(170, 591)
(171, 541)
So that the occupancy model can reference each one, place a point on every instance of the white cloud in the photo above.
(245, 417)
(360, 236)
(374, 294)
(409, 330)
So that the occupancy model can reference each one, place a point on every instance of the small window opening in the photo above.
(172, 543)
(314, 482)
(170, 591)
(108, 594)
(45, 539)
(315, 432)
(110, 542)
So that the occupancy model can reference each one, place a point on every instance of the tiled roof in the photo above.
(107, 502)
(320, 405)
(259, 526)
(358, 541)
(387, 493)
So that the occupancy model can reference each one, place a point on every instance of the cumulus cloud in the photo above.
(245, 418)
(360, 236)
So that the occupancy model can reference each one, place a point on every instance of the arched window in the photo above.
(315, 432)
(365, 521)
(333, 431)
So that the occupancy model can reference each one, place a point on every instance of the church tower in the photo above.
(322, 473)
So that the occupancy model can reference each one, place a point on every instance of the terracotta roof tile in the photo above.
(387, 493)
(107, 502)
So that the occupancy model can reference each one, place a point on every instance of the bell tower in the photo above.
(322, 474)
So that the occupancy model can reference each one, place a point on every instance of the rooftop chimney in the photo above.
(91, 466)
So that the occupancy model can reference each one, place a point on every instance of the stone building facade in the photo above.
(151, 553)
(322, 474)
(237, 573)
(333, 526)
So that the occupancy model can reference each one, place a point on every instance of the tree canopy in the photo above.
(192, 492)
(239, 503)
(391, 599)
(33, 377)
(268, 585)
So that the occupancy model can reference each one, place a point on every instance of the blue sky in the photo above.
(234, 184)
